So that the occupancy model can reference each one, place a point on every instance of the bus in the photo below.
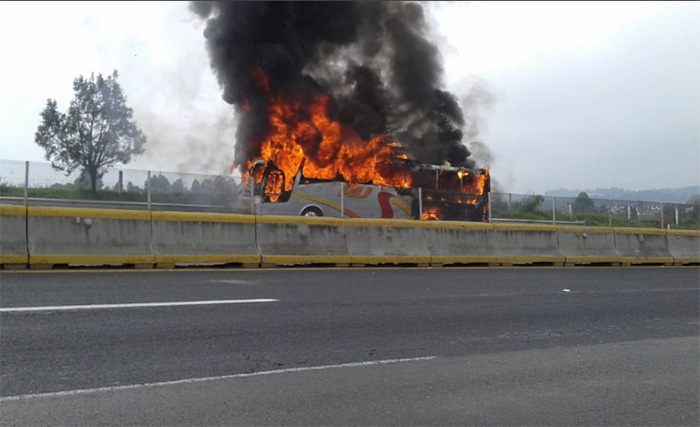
(429, 192)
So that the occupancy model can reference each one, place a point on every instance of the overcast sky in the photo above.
(575, 95)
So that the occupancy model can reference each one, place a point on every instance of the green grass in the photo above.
(598, 220)
(204, 198)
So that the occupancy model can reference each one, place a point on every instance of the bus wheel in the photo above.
(312, 211)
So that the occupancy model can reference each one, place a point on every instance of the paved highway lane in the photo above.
(301, 318)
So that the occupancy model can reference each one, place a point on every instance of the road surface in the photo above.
(452, 346)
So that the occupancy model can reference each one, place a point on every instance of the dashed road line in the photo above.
(134, 305)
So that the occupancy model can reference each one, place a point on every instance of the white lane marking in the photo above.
(199, 380)
(135, 305)
(637, 291)
(235, 282)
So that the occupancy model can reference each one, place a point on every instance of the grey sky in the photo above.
(576, 95)
(622, 110)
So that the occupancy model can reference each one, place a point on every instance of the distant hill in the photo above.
(666, 195)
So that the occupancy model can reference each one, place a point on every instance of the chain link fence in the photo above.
(36, 183)
(509, 207)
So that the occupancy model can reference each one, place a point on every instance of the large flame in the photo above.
(302, 135)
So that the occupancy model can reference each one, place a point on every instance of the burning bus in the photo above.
(309, 164)
(426, 192)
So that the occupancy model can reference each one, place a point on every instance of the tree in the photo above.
(178, 186)
(693, 200)
(159, 184)
(531, 203)
(207, 186)
(96, 132)
(583, 203)
(83, 181)
(131, 188)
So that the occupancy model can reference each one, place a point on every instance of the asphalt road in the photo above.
(467, 346)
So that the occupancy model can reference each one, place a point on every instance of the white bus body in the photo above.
(309, 197)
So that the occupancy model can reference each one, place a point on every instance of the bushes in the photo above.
(220, 191)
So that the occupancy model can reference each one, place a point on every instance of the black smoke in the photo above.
(374, 59)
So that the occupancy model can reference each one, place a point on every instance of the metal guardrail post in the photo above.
(342, 199)
(609, 213)
(489, 200)
(420, 204)
(148, 189)
(662, 214)
(554, 210)
(253, 208)
(252, 193)
(26, 183)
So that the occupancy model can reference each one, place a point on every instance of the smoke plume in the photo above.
(375, 60)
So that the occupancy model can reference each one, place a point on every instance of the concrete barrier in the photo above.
(642, 246)
(13, 237)
(45, 236)
(77, 236)
(527, 244)
(184, 238)
(288, 240)
(588, 245)
(684, 246)
(386, 241)
(450, 243)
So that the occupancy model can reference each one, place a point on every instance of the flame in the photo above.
(302, 136)
(432, 213)
(306, 135)
(482, 181)
(474, 183)
(273, 187)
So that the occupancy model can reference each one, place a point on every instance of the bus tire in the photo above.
(311, 211)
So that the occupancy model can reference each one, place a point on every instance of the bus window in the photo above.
(272, 184)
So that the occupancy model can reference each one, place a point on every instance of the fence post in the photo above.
(120, 187)
(554, 211)
(252, 191)
(148, 189)
(489, 200)
(342, 199)
(26, 183)
(420, 204)
(677, 222)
